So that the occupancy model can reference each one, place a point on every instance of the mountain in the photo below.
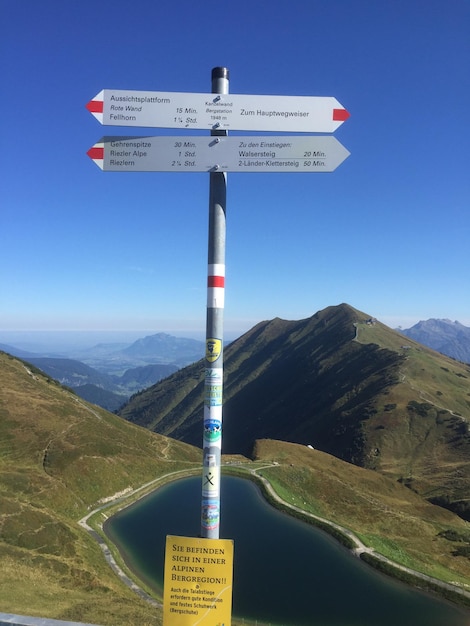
(158, 349)
(338, 381)
(22, 354)
(59, 457)
(450, 338)
(138, 378)
(107, 391)
(107, 374)
(72, 373)
(101, 397)
(164, 348)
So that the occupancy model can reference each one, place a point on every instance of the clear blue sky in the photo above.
(387, 232)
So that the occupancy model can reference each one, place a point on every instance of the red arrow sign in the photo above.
(95, 106)
(96, 152)
(340, 115)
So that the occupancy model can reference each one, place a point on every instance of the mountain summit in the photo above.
(450, 338)
(340, 382)
(163, 347)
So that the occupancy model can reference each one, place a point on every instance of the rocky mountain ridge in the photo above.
(443, 335)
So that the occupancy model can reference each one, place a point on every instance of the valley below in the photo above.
(345, 423)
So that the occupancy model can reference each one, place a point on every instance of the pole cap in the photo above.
(220, 72)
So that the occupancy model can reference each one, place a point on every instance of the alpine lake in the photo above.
(286, 572)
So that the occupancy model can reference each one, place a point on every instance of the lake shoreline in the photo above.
(451, 593)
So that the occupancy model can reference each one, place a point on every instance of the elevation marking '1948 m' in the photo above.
(304, 114)
(298, 153)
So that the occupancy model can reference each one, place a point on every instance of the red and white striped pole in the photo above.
(214, 372)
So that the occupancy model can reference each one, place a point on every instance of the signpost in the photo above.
(296, 114)
(219, 154)
(214, 359)
(198, 579)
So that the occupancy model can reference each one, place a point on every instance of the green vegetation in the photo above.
(343, 383)
(424, 440)
(386, 516)
(397, 410)
(60, 456)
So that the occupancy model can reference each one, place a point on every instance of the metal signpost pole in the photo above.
(217, 154)
(212, 431)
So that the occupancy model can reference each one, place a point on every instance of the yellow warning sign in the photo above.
(198, 582)
(213, 349)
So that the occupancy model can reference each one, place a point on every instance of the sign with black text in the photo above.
(159, 109)
(198, 581)
(317, 153)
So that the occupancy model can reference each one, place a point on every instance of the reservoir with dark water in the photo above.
(286, 572)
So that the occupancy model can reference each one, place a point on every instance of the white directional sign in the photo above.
(304, 114)
(219, 154)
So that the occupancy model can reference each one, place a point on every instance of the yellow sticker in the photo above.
(213, 349)
(198, 581)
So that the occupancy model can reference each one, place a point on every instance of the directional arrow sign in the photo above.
(219, 154)
(304, 114)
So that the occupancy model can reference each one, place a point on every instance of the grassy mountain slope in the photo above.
(385, 515)
(58, 457)
(420, 430)
(342, 383)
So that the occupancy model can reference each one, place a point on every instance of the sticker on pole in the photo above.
(198, 581)
(213, 349)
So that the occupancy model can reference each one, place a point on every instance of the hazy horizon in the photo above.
(79, 339)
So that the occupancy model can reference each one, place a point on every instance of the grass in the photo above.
(61, 588)
(420, 432)
(437, 378)
(385, 515)
(60, 457)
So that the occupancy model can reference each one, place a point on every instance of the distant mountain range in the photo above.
(108, 374)
(450, 338)
(166, 348)
(107, 391)
(341, 382)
